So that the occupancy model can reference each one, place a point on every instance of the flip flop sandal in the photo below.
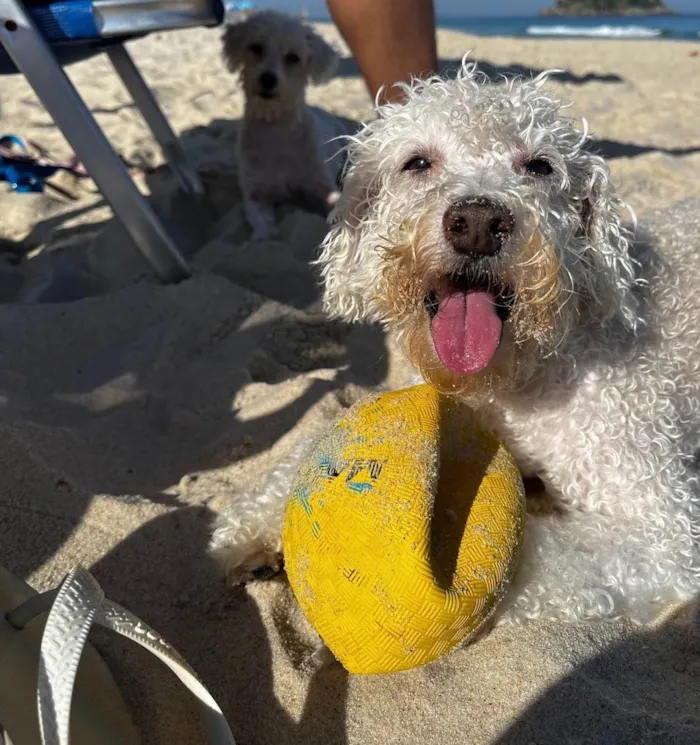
(40, 677)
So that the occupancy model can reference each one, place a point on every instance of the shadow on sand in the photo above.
(166, 365)
(348, 69)
(162, 573)
(644, 689)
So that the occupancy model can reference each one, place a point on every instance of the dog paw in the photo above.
(260, 566)
(321, 658)
(244, 556)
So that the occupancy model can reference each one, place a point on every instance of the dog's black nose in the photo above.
(268, 80)
(477, 227)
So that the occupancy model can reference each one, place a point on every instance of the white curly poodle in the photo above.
(285, 148)
(476, 224)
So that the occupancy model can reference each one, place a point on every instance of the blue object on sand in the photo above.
(22, 173)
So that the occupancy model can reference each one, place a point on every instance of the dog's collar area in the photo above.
(502, 294)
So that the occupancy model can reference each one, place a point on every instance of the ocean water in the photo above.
(591, 27)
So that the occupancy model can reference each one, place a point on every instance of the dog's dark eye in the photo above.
(256, 49)
(417, 164)
(539, 167)
(292, 59)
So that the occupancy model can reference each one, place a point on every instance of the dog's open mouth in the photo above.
(467, 314)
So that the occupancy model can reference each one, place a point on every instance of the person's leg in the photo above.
(392, 40)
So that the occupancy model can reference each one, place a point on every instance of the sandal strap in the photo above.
(80, 603)
(62, 643)
(120, 620)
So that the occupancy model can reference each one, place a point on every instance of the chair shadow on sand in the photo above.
(180, 376)
(642, 689)
(348, 68)
(611, 149)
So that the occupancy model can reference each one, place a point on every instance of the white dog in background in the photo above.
(475, 224)
(285, 148)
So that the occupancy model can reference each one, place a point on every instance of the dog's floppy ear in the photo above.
(323, 59)
(234, 43)
(342, 265)
(615, 277)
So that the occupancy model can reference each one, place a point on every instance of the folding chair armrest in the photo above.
(75, 20)
(126, 17)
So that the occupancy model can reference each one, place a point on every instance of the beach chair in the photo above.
(39, 36)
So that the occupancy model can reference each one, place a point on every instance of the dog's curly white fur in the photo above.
(595, 384)
(282, 152)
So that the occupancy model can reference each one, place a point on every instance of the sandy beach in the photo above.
(130, 410)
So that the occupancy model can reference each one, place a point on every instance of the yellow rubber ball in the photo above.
(403, 530)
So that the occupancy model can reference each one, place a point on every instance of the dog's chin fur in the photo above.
(269, 110)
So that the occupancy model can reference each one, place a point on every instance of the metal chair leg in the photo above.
(34, 58)
(155, 118)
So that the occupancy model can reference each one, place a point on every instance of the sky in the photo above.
(462, 8)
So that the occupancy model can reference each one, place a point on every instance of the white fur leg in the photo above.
(586, 566)
(261, 218)
(248, 533)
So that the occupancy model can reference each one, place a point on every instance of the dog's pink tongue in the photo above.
(466, 331)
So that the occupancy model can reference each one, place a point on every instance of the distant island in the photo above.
(608, 8)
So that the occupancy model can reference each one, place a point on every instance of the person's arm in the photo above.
(391, 40)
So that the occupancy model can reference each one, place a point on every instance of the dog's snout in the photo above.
(477, 227)
(268, 81)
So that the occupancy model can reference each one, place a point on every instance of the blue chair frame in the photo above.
(36, 35)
